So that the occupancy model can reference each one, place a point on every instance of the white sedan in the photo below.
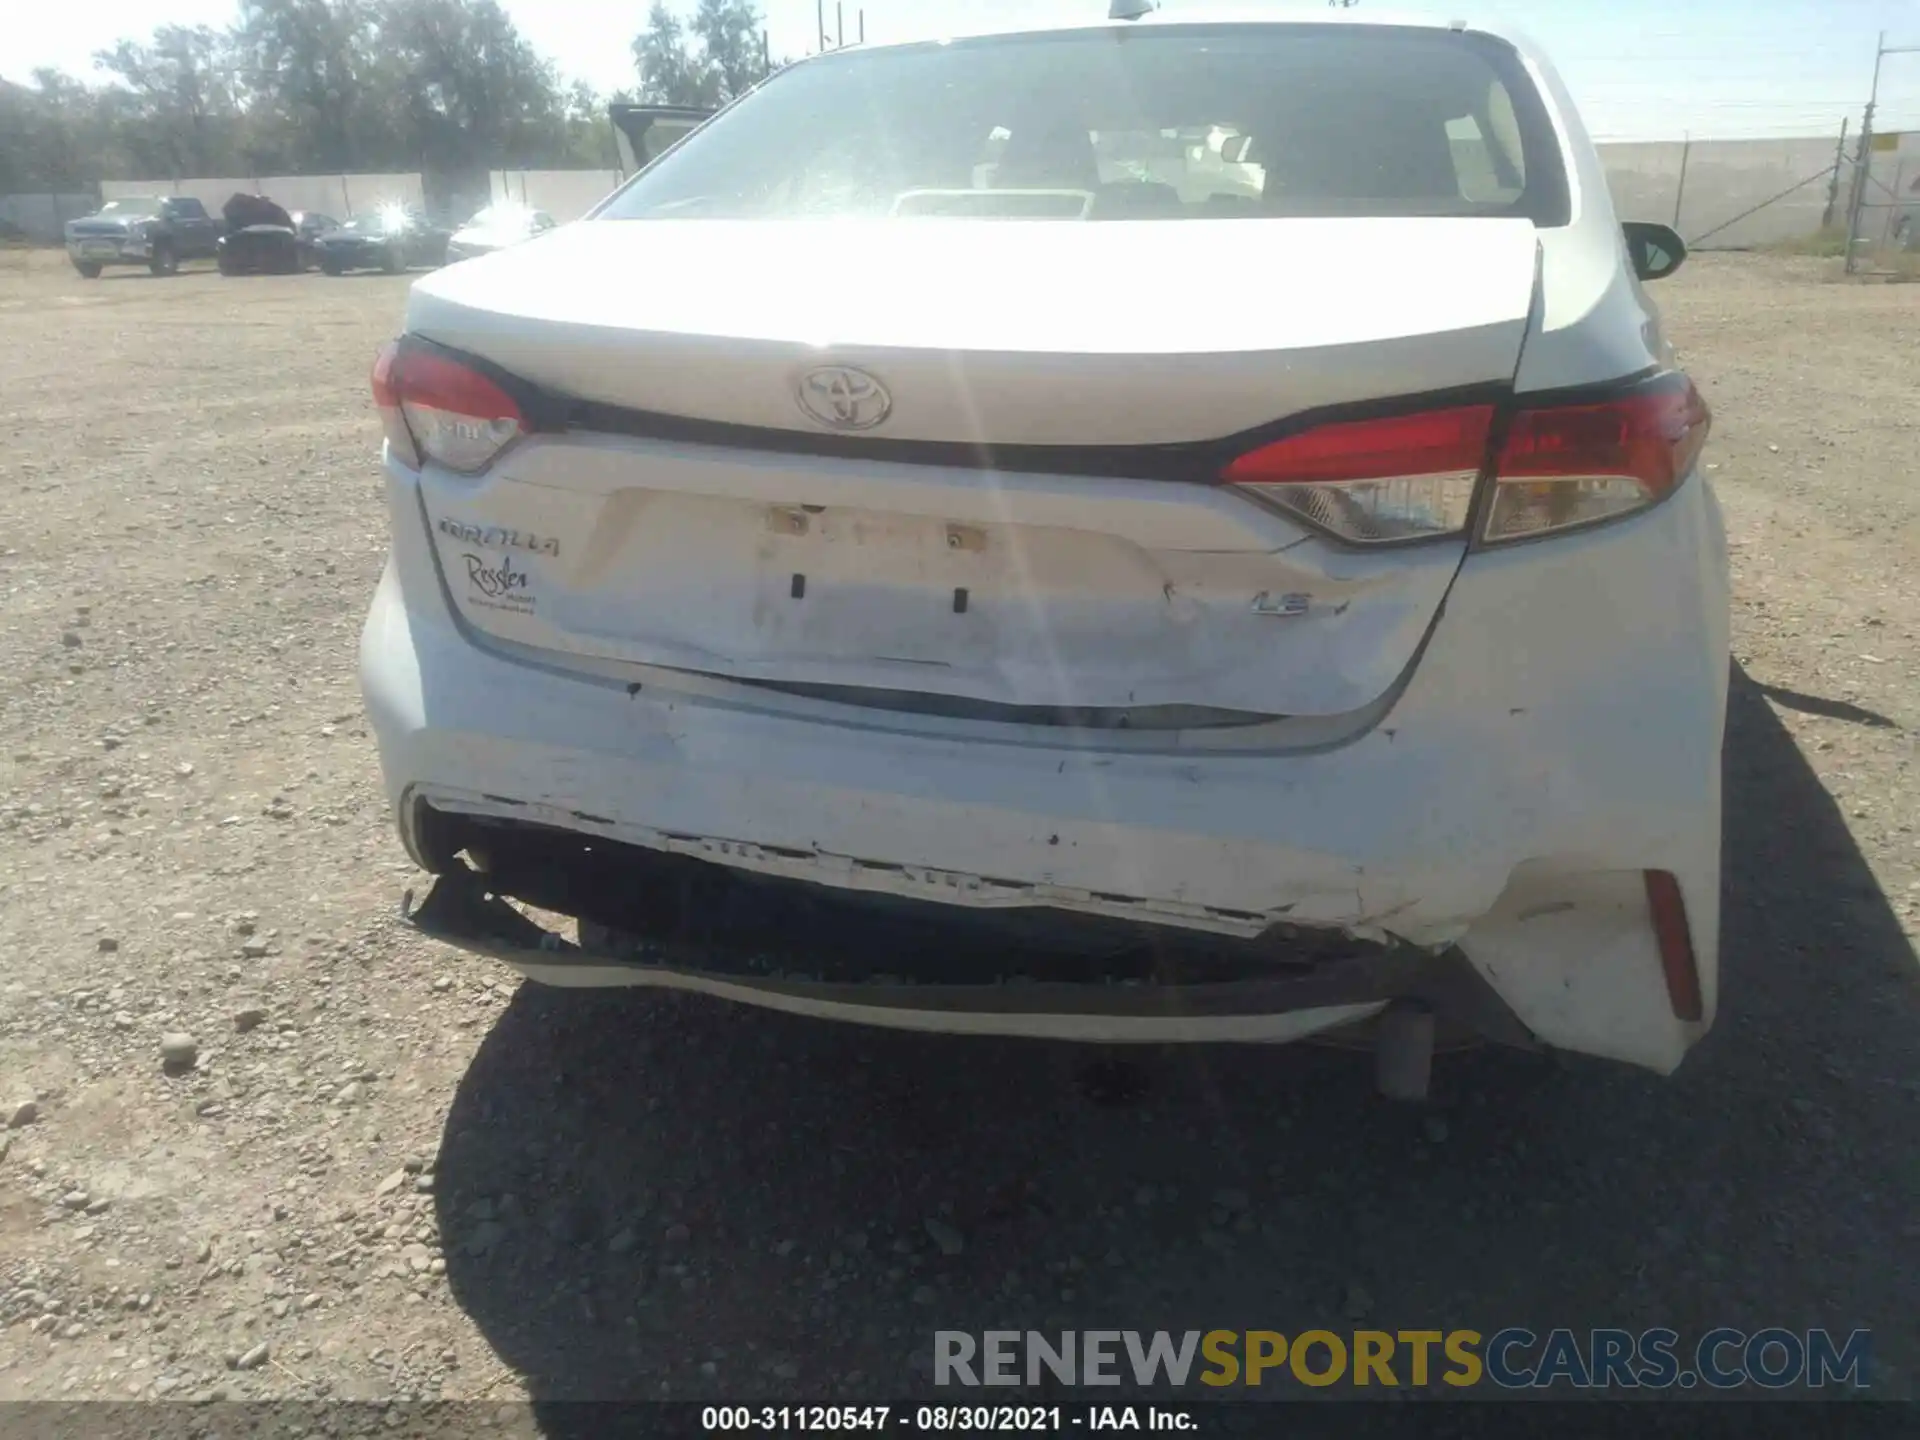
(1176, 615)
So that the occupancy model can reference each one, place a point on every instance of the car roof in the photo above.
(1175, 13)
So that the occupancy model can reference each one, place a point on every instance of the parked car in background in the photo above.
(309, 226)
(391, 239)
(1339, 646)
(260, 238)
(495, 228)
(151, 230)
(283, 245)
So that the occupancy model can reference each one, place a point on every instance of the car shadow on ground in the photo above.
(1825, 708)
(644, 1195)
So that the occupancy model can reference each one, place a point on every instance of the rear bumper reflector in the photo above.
(1669, 910)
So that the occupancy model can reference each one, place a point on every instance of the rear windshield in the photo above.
(1150, 123)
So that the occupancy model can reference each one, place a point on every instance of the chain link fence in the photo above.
(1732, 194)
(1886, 224)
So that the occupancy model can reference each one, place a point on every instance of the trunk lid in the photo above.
(890, 568)
(1010, 333)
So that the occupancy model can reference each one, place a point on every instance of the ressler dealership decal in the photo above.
(494, 537)
(498, 587)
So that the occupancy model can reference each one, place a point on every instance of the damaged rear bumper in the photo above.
(648, 919)
(1559, 740)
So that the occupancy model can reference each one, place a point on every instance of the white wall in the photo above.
(564, 194)
(336, 195)
(44, 216)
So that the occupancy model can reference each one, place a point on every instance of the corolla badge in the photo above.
(845, 398)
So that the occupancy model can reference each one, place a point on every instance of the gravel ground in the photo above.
(374, 1168)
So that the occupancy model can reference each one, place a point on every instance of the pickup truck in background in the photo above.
(157, 231)
(644, 133)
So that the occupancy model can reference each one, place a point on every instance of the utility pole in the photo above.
(861, 15)
(820, 22)
(839, 24)
(1680, 190)
(1833, 181)
(1864, 155)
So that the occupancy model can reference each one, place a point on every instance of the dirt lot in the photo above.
(393, 1171)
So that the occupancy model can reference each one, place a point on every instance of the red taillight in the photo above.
(1432, 442)
(1410, 477)
(386, 396)
(1399, 477)
(436, 408)
(1563, 466)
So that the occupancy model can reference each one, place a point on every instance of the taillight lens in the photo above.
(1565, 466)
(1402, 477)
(435, 408)
(1413, 477)
(386, 398)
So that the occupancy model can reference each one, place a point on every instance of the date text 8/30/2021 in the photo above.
(1047, 1419)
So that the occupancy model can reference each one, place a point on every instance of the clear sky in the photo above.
(1640, 69)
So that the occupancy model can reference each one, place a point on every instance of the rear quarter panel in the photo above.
(1594, 321)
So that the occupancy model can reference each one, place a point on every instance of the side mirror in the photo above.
(1655, 251)
(1234, 149)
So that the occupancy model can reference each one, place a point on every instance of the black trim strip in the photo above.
(1598, 392)
(1195, 462)
(1189, 461)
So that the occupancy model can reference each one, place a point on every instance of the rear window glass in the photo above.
(187, 208)
(1148, 123)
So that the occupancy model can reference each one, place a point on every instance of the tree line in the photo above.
(322, 86)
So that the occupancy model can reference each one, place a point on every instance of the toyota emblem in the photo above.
(844, 398)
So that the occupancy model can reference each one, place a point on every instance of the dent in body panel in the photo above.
(858, 595)
(551, 793)
(1572, 951)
